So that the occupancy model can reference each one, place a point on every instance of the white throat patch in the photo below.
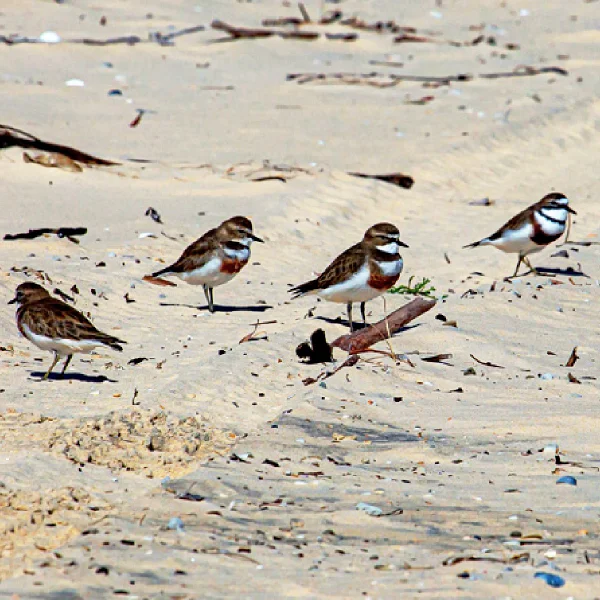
(389, 248)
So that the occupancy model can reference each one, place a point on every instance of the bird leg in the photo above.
(350, 322)
(66, 364)
(532, 269)
(518, 265)
(208, 292)
(56, 359)
(362, 312)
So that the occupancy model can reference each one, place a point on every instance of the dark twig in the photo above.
(349, 362)
(486, 364)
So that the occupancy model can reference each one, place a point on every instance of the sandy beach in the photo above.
(195, 466)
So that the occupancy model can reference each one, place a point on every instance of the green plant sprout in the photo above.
(418, 289)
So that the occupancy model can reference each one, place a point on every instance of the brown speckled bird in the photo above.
(54, 326)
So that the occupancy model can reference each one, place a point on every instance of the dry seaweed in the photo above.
(61, 232)
(11, 136)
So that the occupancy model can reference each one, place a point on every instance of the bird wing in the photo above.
(195, 256)
(342, 267)
(55, 319)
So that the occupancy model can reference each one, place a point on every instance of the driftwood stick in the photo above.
(362, 339)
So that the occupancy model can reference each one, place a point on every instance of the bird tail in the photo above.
(304, 288)
(112, 342)
(475, 244)
(164, 271)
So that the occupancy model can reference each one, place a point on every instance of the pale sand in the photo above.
(464, 467)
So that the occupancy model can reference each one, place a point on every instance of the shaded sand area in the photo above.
(194, 466)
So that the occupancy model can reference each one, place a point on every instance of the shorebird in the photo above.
(215, 258)
(532, 229)
(361, 273)
(53, 325)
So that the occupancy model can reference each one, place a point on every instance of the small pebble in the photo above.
(49, 37)
(115, 92)
(175, 523)
(370, 509)
(550, 449)
(547, 376)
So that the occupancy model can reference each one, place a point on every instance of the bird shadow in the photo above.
(73, 377)
(568, 272)
(259, 308)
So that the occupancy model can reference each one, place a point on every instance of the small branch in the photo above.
(349, 362)
(363, 339)
(485, 363)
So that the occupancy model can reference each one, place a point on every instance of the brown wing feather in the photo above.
(346, 263)
(53, 318)
(516, 222)
(194, 256)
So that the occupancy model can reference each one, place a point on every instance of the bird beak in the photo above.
(256, 238)
(569, 209)
(403, 244)
(13, 300)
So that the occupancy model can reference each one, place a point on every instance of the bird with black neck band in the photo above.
(532, 229)
(363, 272)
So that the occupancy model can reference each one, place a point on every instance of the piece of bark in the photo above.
(573, 358)
(11, 136)
(362, 339)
